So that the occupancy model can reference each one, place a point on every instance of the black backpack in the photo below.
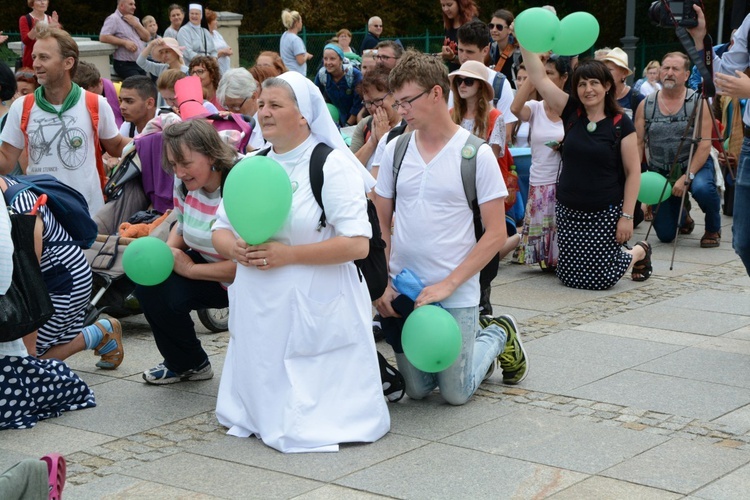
(373, 267)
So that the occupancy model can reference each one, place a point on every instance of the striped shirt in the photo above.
(196, 214)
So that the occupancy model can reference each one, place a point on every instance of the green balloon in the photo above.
(536, 29)
(578, 33)
(431, 339)
(334, 112)
(257, 198)
(652, 189)
(148, 261)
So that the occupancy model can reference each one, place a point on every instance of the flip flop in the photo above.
(643, 269)
(710, 240)
(56, 468)
(688, 226)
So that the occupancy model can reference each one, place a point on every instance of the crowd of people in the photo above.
(436, 128)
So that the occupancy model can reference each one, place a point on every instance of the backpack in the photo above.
(67, 205)
(497, 85)
(373, 267)
(468, 174)
(92, 106)
(348, 74)
(235, 121)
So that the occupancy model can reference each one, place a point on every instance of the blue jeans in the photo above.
(703, 189)
(460, 381)
(741, 217)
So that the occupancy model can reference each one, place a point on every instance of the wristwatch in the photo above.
(690, 176)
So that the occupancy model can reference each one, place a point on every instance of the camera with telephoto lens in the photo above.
(669, 14)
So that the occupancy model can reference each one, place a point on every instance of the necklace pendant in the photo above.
(591, 127)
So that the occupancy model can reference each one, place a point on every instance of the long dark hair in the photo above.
(592, 69)
(467, 10)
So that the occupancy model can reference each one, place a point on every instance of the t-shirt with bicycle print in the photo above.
(63, 148)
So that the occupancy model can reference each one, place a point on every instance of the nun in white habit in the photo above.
(196, 39)
(301, 371)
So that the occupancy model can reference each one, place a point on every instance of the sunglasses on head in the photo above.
(468, 81)
(498, 27)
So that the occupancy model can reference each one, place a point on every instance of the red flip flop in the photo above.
(56, 467)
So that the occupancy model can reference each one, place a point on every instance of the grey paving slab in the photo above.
(51, 436)
(679, 465)
(116, 486)
(738, 420)
(734, 485)
(440, 471)
(317, 466)
(554, 374)
(666, 394)
(682, 319)
(704, 364)
(693, 254)
(726, 344)
(221, 478)
(9, 458)
(605, 488)
(643, 333)
(433, 419)
(714, 300)
(334, 492)
(125, 407)
(140, 354)
(616, 352)
(541, 437)
(742, 333)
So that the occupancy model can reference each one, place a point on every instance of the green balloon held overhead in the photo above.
(578, 33)
(536, 29)
(148, 261)
(652, 189)
(257, 198)
(431, 339)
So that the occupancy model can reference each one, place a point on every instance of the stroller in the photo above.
(113, 290)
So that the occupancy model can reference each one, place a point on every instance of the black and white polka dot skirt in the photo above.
(33, 389)
(590, 257)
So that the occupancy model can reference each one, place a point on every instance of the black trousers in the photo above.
(125, 69)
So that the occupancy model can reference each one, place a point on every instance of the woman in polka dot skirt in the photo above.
(598, 181)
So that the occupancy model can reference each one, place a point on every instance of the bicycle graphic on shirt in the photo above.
(71, 145)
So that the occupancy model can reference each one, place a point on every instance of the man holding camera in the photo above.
(664, 122)
(730, 80)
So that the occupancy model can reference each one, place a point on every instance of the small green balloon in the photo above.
(148, 261)
(257, 198)
(652, 189)
(431, 339)
(536, 29)
(578, 33)
(334, 112)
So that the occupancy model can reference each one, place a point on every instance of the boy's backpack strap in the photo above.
(28, 103)
(92, 106)
(317, 160)
(469, 179)
(497, 86)
(402, 144)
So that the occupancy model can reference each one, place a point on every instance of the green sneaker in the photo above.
(513, 360)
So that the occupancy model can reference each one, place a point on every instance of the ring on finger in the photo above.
(265, 262)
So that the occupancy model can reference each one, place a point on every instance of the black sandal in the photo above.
(394, 385)
(643, 269)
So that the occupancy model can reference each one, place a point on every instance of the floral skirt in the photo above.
(590, 257)
(539, 234)
(33, 389)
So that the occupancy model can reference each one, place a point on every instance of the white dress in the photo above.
(301, 371)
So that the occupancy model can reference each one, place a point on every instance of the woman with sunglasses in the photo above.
(539, 234)
(374, 131)
(338, 83)
(504, 54)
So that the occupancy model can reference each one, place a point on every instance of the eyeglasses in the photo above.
(468, 81)
(406, 103)
(377, 25)
(24, 74)
(238, 108)
(381, 57)
(197, 71)
(498, 27)
(376, 102)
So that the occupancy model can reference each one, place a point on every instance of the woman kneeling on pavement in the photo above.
(200, 161)
(301, 371)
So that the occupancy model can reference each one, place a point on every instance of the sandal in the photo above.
(56, 470)
(394, 385)
(648, 213)
(112, 359)
(688, 226)
(643, 269)
(711, 240)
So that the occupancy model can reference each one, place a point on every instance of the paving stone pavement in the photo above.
(641, 391)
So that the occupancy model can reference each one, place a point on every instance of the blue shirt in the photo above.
(341, 94)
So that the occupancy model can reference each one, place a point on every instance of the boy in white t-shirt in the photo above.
(434, 236)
